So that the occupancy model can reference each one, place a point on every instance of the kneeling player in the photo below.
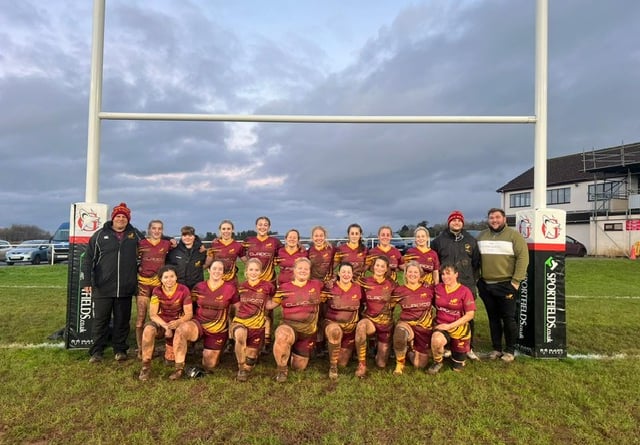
(455, 307)
(414, 327)
(295, 338)
(213, 298)
(248, 326)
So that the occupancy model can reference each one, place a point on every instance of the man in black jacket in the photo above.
(456, 246)
(109, 274)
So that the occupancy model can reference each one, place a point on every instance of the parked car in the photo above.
(59, 244)
(32, 251)
(573, 247)
(4, 247)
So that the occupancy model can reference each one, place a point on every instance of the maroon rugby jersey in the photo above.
(300, 305)
(285, 260)
(321, 262)
(393, 254)
(357, 257)
(152, 256)
(427, 258)
(253, 298)
(265, 250)
(343, 305)
(416, 304)
(228, 253)
(213, 305)
(171, 307)
(377, 298)
(452, 305)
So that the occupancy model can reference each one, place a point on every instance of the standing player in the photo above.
(264, 248)
(321, 255)
(296, 336)
(353, 251)
(455, 307)
(225, 249)
(385, 248)
(169, 309)
(247, 327)
(377, 317)
(288, 254)
(213, 298)
(343, 301)
(152, 252)
(188, 257)
(425, 256)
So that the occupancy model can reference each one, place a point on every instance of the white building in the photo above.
(599, 191)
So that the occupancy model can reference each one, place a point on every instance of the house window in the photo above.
(606, 190)
(520, 199)
(613, 227)
(559, 196)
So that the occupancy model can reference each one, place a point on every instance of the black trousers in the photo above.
(500, 302)
(103, 309)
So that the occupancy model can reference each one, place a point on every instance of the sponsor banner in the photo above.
(85, 220)
(541, 311)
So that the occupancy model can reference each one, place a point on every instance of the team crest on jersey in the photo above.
(467, 248)
(454, 301)
(550, 227)
(131, 235)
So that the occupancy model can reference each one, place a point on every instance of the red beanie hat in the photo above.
(121, 209)
(455, 214)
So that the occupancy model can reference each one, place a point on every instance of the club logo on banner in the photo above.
(86, 219)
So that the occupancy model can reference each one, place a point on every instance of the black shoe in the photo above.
(96, 357)
(121, 356)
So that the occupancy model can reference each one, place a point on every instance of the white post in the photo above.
(540, 136)
(95, 103)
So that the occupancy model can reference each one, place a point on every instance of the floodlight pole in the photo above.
(95, 103)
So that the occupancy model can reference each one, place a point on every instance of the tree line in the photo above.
(21, 232)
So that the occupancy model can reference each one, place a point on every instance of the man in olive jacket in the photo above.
(109, 274)
(504, 257)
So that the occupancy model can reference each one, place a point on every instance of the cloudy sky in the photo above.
(325, 57)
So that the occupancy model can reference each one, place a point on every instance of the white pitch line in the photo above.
(603, 297)
(15, 286)
(32, 346)
(602, 357)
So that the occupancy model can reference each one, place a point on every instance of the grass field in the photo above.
(51, 395)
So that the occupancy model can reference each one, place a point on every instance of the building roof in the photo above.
(580, 167)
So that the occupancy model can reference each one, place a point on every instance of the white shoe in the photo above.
(507, 357)
(472, 356)
(494, 355)
(447, 353)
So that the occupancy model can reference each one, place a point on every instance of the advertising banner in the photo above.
(85, 220)
(542, 330)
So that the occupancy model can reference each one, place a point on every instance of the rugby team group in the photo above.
(340, 301)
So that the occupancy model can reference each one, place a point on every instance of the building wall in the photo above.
(612, 242)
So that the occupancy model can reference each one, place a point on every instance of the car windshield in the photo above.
(32, 243)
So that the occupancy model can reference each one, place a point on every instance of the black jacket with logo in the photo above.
(110, 265)
(189, 263)
(461, 251)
